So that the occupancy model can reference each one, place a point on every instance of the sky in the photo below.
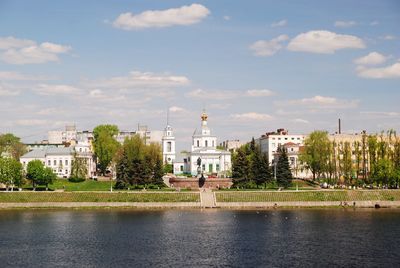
(255, 66)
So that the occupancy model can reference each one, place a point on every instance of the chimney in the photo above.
(340, 127)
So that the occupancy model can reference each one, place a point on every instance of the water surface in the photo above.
(200, 238)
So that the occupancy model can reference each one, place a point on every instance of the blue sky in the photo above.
(254, 65)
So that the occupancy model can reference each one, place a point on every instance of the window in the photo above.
(181, 168)
(210, 168)
(206, 143)
(60, 162)
(169, 146)
(213, 144)
(198, 143)
(285, 139)
(203, 167)
(66, 162)
(55, 162)
(217, 167)
(49, 163)
(80, 149)
(66, 171)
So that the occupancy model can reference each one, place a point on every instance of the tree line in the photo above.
(134, 162)
(251, 168)
(369, 159)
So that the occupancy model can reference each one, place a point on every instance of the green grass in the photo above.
(88, 185)
(26, 197)
(340, 195)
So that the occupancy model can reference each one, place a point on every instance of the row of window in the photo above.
(287, 139)
(205, 143)
(60, 162)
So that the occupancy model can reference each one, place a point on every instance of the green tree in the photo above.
(79, 169)
(10, 172)
(12, 145)
(105, 145)
(39, 174)
(316, 152)
(283, 174)
(347, 167)
(372, 152)
(240, 166)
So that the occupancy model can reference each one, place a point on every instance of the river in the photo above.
(200, 238)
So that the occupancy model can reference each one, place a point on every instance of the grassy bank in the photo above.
(30, 197)
(339, 195)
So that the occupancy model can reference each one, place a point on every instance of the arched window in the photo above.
(206, 143)
(198, 143)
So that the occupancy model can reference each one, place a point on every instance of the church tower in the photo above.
(168, 143)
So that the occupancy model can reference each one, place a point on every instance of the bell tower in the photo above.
(168, 143)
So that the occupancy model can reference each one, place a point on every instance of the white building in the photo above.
(270, 142)
(59, 136)
(59, 159)
(148, 136)
(168, 145)
(204, 146)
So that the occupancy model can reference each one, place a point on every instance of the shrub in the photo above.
(76, 179)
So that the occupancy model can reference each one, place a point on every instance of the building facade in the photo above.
(204, 148)
(168, 145)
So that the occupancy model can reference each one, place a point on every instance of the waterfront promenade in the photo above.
(203, 199)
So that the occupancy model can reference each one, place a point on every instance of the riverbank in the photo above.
(203, 199)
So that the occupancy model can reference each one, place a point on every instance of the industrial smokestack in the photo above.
(340, 127)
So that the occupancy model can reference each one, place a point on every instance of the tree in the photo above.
(347, 167)
(10, 172)
(240, 166)
(265, 170)
(78, 169)
(316, 152)
(39, 174)
(283, 174)
(105, 145)
(372, 151)
(12, 145)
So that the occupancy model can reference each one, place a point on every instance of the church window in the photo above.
(206, 143)
(217, 167)
(169, 146)
(198, 143)
(203, 167)
(49, 162)
(210, 168)
(181, 168)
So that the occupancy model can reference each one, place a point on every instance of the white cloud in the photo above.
(265, 48)
(50, 90)
(176, 109)
(22, 51)
(213, 95)
(381, 114)
(372, 58)
(301, 121)
(345, 24)
(15, 76)
(252, 116)
(31, 122)
(12, 42)
(226, 18)
(259, 93)
(185, 15)
(389, 37)
(321, 102)
(280, 23)
(139, 79)
(7, 92)
(391, 71)
(374, 23)
(324, 42)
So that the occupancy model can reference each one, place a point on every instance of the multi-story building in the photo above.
(59, 159)
(168, 145)
(232, 145)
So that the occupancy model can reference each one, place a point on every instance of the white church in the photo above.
(204, 146)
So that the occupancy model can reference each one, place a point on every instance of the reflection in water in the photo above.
(193, 238)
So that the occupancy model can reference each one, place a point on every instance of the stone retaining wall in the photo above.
(102, 204)
(357, 204)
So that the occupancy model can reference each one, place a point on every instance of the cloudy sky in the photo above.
(254, 65)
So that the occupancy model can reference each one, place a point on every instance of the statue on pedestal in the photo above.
(200, 175)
